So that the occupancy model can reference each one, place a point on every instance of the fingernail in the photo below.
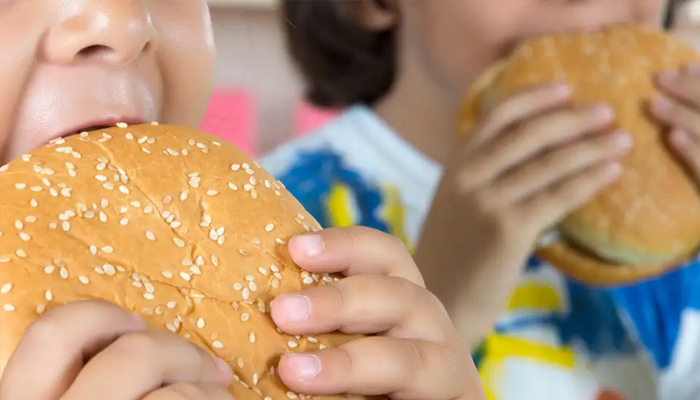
(305, 366)
(614, 169)
(661, 104)
(561, 90)
(223, 366)
(603, 113)
(622, 140)
(310, 245)
(679, 136)
(668, 76)
(295, 308)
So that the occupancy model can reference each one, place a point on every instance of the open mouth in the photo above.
(95, 126)
(86, 129)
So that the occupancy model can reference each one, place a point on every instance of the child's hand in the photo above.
(416, 353)
(679, 108)
(94, 350)
(530, 162)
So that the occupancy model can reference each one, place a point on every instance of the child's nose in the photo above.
(110, 32)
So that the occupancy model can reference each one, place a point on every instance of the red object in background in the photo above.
(607, 394)
(309, 118)
(232, 115)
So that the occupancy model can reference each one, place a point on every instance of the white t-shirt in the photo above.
(557, 339)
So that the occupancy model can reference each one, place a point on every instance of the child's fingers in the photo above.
(555, 166)
(549, 206)
(688, 148)
(683, 86)
(139, 363)
(190, 391)
(532, 138)
(352, 251)
(56, 344)
(520, 107)
(677, 114)
(405, 369)
(365, 304)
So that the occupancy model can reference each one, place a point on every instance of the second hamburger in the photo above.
(647, 222)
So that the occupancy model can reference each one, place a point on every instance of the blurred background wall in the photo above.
(258, 102)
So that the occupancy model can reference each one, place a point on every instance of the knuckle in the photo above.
(419, 358)
(46, 330)
(143, 344)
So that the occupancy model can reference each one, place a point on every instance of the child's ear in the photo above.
(376, 15)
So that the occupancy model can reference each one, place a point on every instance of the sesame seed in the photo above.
(237, 286)
(195, 270)
(252, 337)
(21, 253)
(215, 260)
(25, 236)
(5, 289)
(63, 272)
(217, 344)
(40, 309)
(107, 249)
(8, 307)
(171, 304)
(84, 279)
(269, 227)
(150, 236)
(200, 323)
(292, 344)
(245, 317)
(109, 269)
(149, 296)
(167, 274)
(122, 125)
(124, 221)
(185, 276)
(48, 295)
(184, 195)
(19, 225)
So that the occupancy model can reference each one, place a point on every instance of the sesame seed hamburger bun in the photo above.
(165, 222)
(646, 223)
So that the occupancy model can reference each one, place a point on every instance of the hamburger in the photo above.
(646, 223)
(167, 223)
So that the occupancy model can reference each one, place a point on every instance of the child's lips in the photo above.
(93, 126)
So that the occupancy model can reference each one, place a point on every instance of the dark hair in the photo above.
(341, 61)
(669, 17)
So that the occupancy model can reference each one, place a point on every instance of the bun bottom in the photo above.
(591, 270)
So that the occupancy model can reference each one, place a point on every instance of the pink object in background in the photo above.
(232, 116)
(309, 118)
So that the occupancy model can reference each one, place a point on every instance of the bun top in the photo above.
(163, 221)
(651, 215)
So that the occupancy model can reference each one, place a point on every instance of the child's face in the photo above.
(67, 65)
(453, 41)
